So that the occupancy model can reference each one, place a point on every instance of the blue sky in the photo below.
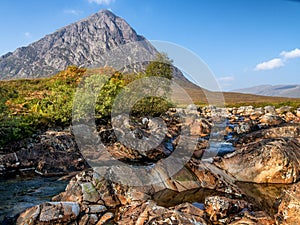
(244, 42)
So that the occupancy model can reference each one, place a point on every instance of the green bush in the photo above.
(28, 105)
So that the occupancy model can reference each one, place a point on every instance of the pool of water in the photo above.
(263, 196)
(169, 198)
(21, 192)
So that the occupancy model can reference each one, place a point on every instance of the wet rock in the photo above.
(298, 112)
(265, 156)
(105, 218)
(201, 146)
(50, 213)
(196, 174)
(90, 189)
(30, 216)
(211, 177)
(284, 109)
(50, 153)
(89, 219)
(253, 218)
(158, 153)
(287, 131)
(73, 192)
(110, 195)
(289, 208)
(121, 152)
(181, 181)
(150, 213)
(264, 196)
(97, 209)
(243, 127)
(270, 110)
(90, 193)
(108, 136)
(221, 208)
(268, 161)
(271, 120)
(195, 128)
(289, 117)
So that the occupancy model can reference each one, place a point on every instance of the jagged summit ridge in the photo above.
(88, 43)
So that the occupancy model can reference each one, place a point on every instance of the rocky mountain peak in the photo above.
(87, 43)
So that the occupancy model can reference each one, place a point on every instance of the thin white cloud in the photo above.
(101, 2)
(278, 62)
(73, 12)
(270, 65)
(291, 54)
(225, 79)
(225, 82)
(27, 35)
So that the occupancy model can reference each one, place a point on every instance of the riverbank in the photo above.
(209, 189)
(22, 191)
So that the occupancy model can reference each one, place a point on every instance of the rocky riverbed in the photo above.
(244, 169)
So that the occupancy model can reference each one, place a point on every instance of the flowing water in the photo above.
(21, 192)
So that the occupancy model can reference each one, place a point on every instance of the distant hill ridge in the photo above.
(290, 91)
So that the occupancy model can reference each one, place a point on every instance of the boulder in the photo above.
(89, 193)
(270, 109)
(89, 188)
(150, 213)
(298, 112)
(268, 161)
(243, 127)
(209, 176)
(59, 213)
(253, 218)
(284, 109)
(286, 131)
(196, 175)
(53, 152)
(87, 219)
(289, 208)
(105, 218)
(221, 208)
(271, 120)
(289, 117)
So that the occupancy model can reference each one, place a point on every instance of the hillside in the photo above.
(199, 96)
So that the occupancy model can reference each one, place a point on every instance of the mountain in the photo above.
(101, 39)
(290, 91)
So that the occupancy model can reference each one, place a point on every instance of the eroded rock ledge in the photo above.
(101, 201)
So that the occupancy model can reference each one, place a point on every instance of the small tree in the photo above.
(161, 67)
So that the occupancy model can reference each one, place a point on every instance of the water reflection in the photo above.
(263, 196)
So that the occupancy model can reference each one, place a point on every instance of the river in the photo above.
(23, 191)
